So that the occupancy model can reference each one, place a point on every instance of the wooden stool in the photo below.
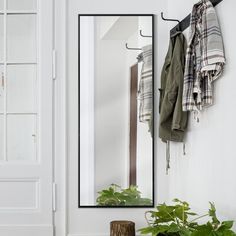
(122, 228)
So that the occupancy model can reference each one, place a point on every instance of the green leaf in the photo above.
(154, 230)
(146, 230)
(212, 213)
(229, 233)
(185, 232)
(203, 230)
(181, 214)
(227, 224)
(173, 228)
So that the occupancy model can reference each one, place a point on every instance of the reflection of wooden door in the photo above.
(133, 124)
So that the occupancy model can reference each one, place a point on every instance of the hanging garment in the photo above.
(173, 121)
(205, 57)
(145, 93)
(140, 57)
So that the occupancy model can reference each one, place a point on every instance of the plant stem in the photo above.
(146, 217)
(198, 218)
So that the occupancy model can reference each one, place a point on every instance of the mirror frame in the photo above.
(153, 103)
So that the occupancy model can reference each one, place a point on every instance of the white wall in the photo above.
(207, 172)
(111, 112)
(96, 221)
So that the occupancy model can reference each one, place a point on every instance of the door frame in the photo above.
(60, 118)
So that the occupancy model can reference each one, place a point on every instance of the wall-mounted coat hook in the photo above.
(126, 45)
(145, 36)
(184, 24)
(168, 19)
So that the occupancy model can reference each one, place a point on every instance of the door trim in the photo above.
(60, 118)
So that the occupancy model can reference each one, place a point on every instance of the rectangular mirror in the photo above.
(116, 101)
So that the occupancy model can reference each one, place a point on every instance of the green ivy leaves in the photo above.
(116, 196)
(173, 220)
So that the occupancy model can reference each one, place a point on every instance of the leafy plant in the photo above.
(116, 196)
(173, 220)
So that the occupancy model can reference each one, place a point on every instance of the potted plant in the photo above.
(174, 220)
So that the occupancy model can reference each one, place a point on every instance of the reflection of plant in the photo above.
(116, 196)
(173, 221)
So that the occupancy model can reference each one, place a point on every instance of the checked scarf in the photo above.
(145, 86)
(205, 57)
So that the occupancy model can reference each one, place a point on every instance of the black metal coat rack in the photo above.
(184, 24)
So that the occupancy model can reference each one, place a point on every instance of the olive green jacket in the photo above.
(173, 121)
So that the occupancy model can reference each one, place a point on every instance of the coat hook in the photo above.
(167, 19)
(145, 36)
(126, 45)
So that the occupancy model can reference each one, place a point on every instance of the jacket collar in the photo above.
(171, 47)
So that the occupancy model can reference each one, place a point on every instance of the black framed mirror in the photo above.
(116, 102)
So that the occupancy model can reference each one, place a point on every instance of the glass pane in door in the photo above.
(21, 38)
(2, 84)
(1, 5)
(1, 137)
(21, 88)
(1, 38)
(21, 137)
(21, 4)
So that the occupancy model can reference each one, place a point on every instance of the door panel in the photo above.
(1, 137)
(26, 231)
(23, 145)
(26, 192)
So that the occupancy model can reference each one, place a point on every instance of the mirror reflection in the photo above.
(115, 110)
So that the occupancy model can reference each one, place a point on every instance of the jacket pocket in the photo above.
(172, 97)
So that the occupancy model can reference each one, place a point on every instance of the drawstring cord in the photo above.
(167, 157)
(184, 151)
(196, 116)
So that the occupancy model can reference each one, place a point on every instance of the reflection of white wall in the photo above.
(145, 24)
(111, 113)
(106, 24)
(131, 59)
(112, 97)
(87, 112)
(122, 28)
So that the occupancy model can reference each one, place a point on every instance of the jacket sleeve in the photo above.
(180, 117)
(169, 95)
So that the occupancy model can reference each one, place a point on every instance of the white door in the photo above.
(26, 38)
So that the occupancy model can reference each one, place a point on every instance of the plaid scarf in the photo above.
(145, 86)
(204, 59)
